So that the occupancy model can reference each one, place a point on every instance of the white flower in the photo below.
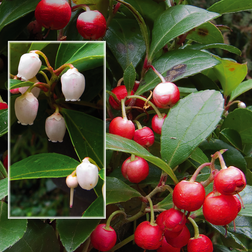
(72, 84)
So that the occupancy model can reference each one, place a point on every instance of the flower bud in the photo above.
(87, 174)
(29, 65)
(71, 181)
(55, 127)
(26, 108)
(72, 84)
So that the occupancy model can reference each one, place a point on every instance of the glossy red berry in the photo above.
(3, 105)
(144, 137)
(121, 93)
(53, 14)
(165, 247)
(166, 94)
(91, 24)
(202, 243)
(157, 123)
(147, 236)
(238, 203)
(180, 240)
(188, 195)
(136, 170)
(230, 180)
(122, 127)
(220, 209)
(103, 239)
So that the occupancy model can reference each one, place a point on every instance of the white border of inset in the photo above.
(104, 132)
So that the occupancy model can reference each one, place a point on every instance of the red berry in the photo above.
(166, 94)
(220, 209)
(103, 239)
(147, 236)
(188, 195)
(230, 180)
(3, 105)
(121, 93)
(5, 162)
(200, 244)
(53, 14)
(135, 171)
(181, 240)
(238, 203)
(144, 136)
(174, 221)
(122, 127)
(167, 247)
(157, 123)
(91, 24)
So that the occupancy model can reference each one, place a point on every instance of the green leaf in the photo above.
(225, 47)
(176, 65)
(198, 157)
(11, 11)
(241, 121)
(3, 188)
(102, 174)
(125, 42)
(118, 191)
(227, 6)
(10, 230)
(230, 74)
(206, 33)
(166, 203)
(83, 56)
(201, 111)
(18, 83)
(38, 46)
(3, 121)
(3, 172)
(240, 89)
(232, 137)
(129, 77)
(96, 209)
(74, 232)
(86, 133)
(176, 21)
(36, 236)
(45, 165)
(247, 200)
(118, 143)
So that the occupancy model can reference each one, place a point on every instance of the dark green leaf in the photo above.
(166, 203)
(3, 121)
(74, 232)
(10, 230)
(125, 42)
(3, 172)
(3, 188)
(18, 83)
(96, 209)
(247, 200)
(240, 89)
(118, 191)
(176, 21)
(118, 143)
(201, 111)
(232, 137)
(176, 65)
(45, 165)
(38, 46)
(227, 6)
(37, 237)
(102, 174)
(86, 133)
(129, 77)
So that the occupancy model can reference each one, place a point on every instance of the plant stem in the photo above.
(195, 227)
(158, 74)
(45, 58)
(139, 126)
(124, 116)
(194, 176)
(107, 227)
(122, 243)
(61, 68)
(152, 220)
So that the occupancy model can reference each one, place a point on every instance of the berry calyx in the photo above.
(230, 180)
(121, 93)
(144, 136)
(220, 209)
(157, 123)
(91, 24)
(72, 84)
(53, 14)
(135, 169)
(166, 94)
(202, 243)
(87, 174)
(102, 238)
(148, 236)
(122, 127)
(188, 195)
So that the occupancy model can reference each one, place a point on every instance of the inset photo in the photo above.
(56, 129)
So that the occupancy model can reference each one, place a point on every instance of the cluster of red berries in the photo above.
(56, 14)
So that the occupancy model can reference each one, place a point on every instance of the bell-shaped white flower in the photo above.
(29, 65)
(26, 108)
(87, 174)
(72, 84)
(55, 127)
